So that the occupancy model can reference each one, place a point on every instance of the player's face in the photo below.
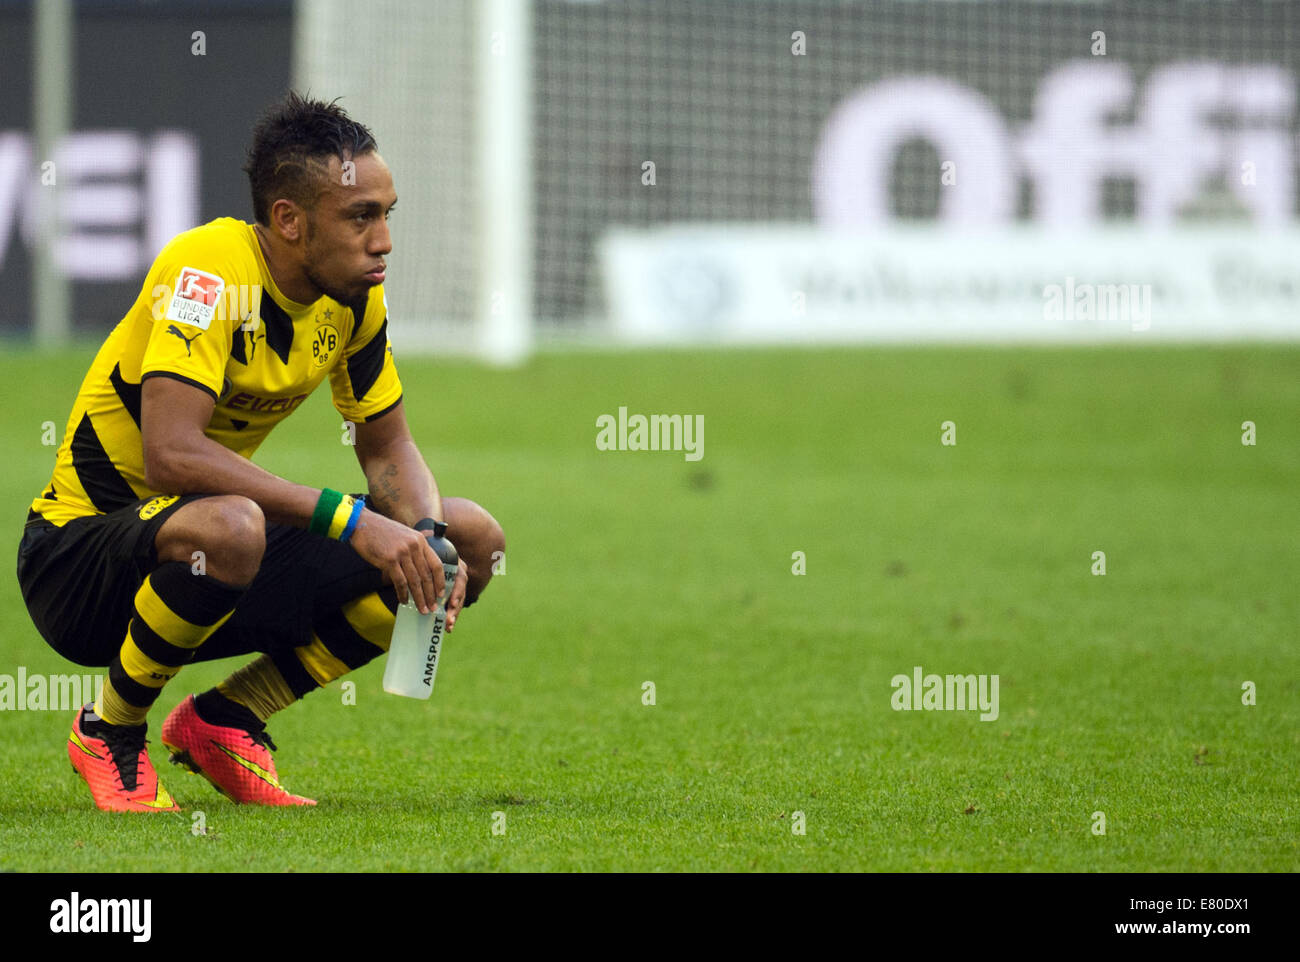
(347, 234)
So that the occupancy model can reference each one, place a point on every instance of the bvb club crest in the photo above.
(324, 343)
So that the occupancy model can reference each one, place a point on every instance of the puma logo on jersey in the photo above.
(173, 329)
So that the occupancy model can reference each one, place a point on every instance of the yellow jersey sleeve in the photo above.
(193, 295)
(364, 380)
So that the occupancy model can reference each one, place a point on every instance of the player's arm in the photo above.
(401, 485)
(367, 393)
(180, 459)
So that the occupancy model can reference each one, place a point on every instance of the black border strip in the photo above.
(182, 378)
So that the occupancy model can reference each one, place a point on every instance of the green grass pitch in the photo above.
(1119, 694)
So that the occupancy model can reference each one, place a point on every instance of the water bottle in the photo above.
(416, 645)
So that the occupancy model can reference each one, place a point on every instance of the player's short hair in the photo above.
(292, 144)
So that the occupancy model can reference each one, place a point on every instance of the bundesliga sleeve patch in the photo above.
(194, 300)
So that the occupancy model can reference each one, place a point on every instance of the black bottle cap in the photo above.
(439, 528)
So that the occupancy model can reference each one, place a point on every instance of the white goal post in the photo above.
(444, 87)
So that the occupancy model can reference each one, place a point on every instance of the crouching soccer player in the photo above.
(157, 542)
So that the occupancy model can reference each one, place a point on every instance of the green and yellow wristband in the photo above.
(336, 515)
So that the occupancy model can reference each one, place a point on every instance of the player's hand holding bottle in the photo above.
(404, 556)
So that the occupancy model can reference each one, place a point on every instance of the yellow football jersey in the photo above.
(210, 315)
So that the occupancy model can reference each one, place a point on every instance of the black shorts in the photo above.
(80, 581)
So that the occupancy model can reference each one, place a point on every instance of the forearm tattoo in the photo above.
(385, 493)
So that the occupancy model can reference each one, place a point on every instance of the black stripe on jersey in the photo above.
(128, 394)
(342, 640)
(379, 414)
(237, 347)
(183, 379)
(358, 309)
(365, 366)
(297, 677)
(106, 489)
(279, 328)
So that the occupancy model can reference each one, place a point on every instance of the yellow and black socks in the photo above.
(175, 612)
(341, 641)
(350, 636)
(247, 698)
